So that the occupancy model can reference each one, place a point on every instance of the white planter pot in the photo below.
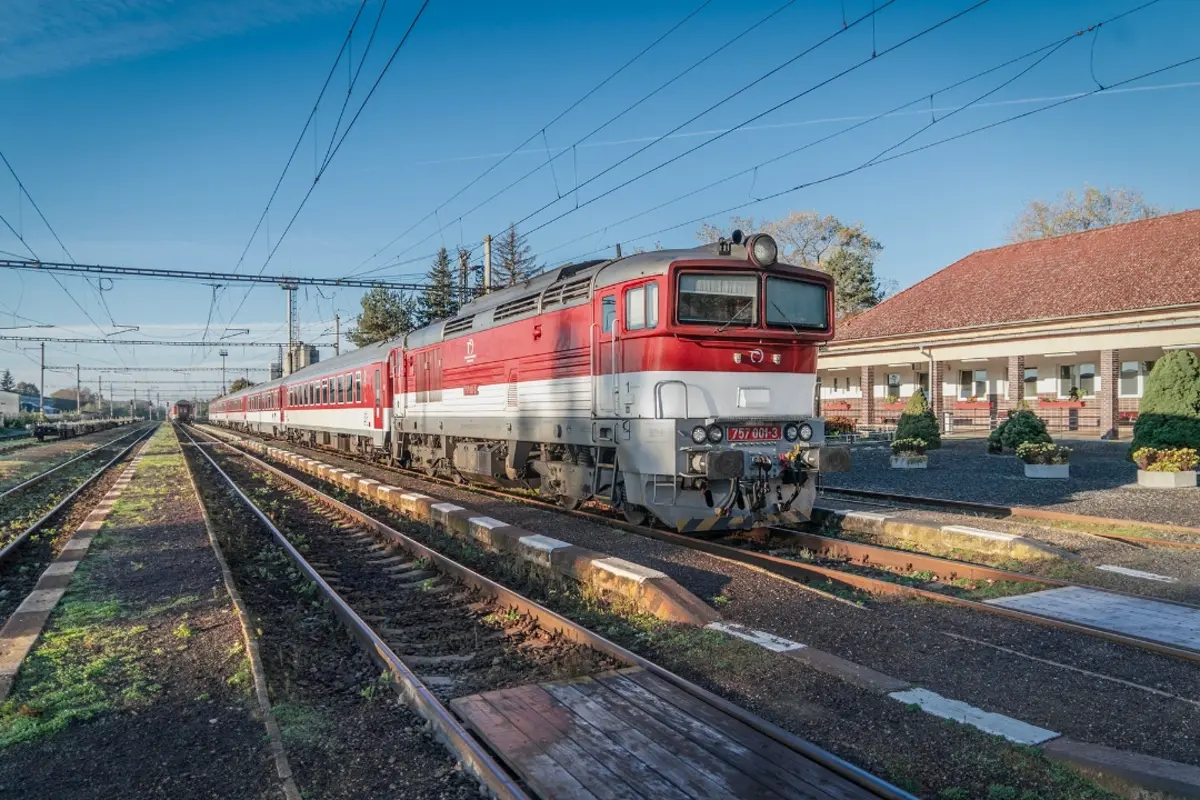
(910, 462)
(1167, 480)
(1047, 471)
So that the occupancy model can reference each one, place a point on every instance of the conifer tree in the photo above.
(512, 259)
(1169, 414)
(6, 382)
(386, 315)
(439, 300)
(918, 422)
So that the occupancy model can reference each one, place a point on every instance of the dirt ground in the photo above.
(140, 686)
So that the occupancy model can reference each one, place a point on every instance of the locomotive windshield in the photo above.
(796, 304)
(720, 299)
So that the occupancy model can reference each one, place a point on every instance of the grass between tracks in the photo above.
(932, 757)
(100, 653)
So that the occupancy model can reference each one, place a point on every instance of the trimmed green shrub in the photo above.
(1020, 428)
(1169, 414)
(918, 422)
(909, 447)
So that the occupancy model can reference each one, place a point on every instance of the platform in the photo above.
(1167, 623)
(629, 734)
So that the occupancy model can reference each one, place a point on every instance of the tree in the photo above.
(1022, 426)
(86, 395)
(918, 422)
(26, 388)
(512, 259)
(6, 382)
(439, 300)
(385, 315)
(239, 384)
(1169, 414)
(809, 239)
(1093, 208)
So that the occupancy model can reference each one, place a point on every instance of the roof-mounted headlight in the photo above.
(763, 250)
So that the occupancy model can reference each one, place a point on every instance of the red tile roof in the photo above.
(1146, 264)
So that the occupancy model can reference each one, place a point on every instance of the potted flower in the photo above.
(909, 454)
(1073, 400)
(893, 403)
(836, 405)
(972, 403)
(838, 426)
(1045, 460)
(1167, 468)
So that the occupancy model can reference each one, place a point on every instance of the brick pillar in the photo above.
(1107, 397)
(866, 408)
(937, 388)
(1016, 383)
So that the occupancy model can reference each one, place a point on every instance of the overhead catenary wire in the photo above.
(535, 134)
(905, 153)
(1045, 49)
(349, 126)
(575, 189)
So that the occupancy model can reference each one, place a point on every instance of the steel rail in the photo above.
(1027, 512)
(554, 622)
(808, 573)
(42, 475)
(11, 548)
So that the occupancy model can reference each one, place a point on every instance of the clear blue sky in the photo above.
(151, 133)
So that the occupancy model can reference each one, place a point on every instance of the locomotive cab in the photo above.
(713, 409)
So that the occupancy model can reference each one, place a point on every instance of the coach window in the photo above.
(358, 387)
(608, 313)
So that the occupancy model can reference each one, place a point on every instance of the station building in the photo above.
(1070, 324)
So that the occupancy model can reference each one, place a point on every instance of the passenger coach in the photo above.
(676, 383)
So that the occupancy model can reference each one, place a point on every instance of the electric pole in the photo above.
(487, 263)
(42, 384)
(464, 267)
(337, 334)
(222, 354)
(78, 395)
(99, 394)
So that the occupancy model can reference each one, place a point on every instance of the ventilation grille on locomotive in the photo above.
(458, 325)
(515, 308)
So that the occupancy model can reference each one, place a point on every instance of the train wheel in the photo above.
(568, 503)
(635, 515)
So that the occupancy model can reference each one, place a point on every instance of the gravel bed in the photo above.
(346, 733)
(1102, 483)
(1092, 551)
(480, 647)
(904, 639)
(18, 467)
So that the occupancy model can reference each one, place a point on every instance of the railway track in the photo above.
(1093, 526)
(446, 633)
(845, 568)
(24, 551)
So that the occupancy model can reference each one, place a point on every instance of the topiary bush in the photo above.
(1021, 427)
(1169, 414)
(918, 422)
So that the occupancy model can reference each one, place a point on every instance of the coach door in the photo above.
(604, 355)
(377, 397)
(396, 374)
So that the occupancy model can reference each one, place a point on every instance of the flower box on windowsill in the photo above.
(894, 406)
(1059, 471)
(837, 405)
(972, 405)
(1060, 404)
(1167, 480)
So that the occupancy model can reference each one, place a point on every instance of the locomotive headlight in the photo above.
(699, 435)
(763, 250)
(791, 431)
(806, 432)
(715, 434)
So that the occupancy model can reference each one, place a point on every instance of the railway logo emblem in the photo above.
(470, 356)
(756, 356)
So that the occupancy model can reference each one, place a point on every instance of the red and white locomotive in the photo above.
(675, 383)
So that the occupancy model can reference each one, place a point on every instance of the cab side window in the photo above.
(641, 307)
(608, 313)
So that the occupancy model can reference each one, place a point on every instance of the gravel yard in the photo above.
(1103, 481)
(905, 640)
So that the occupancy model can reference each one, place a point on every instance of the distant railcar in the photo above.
(183, 411)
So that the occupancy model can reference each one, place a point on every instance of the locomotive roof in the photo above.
(569, 285)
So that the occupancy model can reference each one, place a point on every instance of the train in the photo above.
(183, 411)
(678, 385)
